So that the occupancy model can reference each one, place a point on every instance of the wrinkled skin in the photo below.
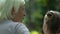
(51, 23)
(18, 17)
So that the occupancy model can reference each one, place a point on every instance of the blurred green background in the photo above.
(36, 10)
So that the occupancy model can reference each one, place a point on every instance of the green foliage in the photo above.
(36, 10)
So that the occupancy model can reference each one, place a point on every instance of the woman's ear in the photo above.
(13, 14)
(13, 11)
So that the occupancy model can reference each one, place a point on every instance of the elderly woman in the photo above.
(11, 13)
(52, 22)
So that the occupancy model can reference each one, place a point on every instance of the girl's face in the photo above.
(19, 15)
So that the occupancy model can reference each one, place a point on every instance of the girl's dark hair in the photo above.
(54, 23)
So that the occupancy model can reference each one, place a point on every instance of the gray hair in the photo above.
(6, 7)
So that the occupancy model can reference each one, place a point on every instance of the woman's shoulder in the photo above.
(12, 23)
(20, 27)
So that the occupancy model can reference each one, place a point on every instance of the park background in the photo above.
(35, 11)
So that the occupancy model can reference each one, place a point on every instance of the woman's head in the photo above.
(10, 8)
(51, 22)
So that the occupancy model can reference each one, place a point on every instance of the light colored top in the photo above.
(10, 27)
